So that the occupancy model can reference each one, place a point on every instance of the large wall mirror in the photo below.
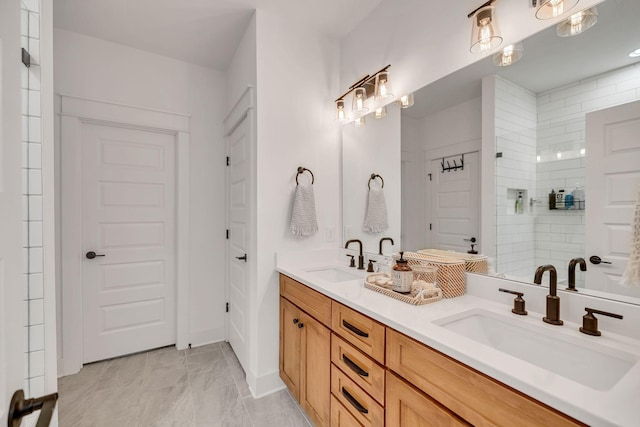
(564, 120)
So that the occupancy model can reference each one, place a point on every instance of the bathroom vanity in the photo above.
(354, 357)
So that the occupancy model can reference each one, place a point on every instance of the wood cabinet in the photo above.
(361, 331)
(408, 407)
(305, 361)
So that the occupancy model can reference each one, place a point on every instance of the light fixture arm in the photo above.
(489, 3)
(363, 81)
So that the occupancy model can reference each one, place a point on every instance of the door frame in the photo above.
(74, 112)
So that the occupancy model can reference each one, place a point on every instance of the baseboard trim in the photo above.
(265, 384)
(204, 337)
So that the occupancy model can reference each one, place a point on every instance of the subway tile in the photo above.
(601, 92)
(25, 128)
(573, 89)
(34, 103)
(34, 25)
(25, 102)
(35, 208)
(36, 386)
(34, 51)
(35, 233)
(34, 77)
(35, 129)
(24, 161)
(24, 22)
(25, 234)
(35, 260)
(36, 337)
(36, 286)
(24, 77)
(25, 313)
(609, 101)
(25, 286)
(35, 155)
(35, 181)
(36, 312)
(25, 260)
(36, 363)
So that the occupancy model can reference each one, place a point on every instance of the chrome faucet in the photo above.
(553, 300)
(572, 272)
(360, 256)
(382, 240)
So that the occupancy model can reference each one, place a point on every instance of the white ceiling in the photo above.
(203, 32)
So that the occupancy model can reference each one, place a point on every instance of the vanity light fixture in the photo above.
(383, 86)
(485, 33)
(509, 55)
(341, 114)
(359, 122)
(359, 98)
(548, 9)
(635, 53)
(380, 112)
(407, 101)
(578, 23)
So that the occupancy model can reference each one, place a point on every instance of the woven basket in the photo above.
(451, 271)
(473, 263)
(369, 283)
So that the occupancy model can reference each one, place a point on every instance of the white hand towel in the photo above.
(375, 219)
(303, 217)
(631, 276)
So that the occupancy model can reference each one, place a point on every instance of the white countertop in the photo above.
(618, 406)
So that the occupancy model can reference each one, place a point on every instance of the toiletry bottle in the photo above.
(560, 199)
(578, 197)
(519, 207)
(552, 200)
(568, 201)
(402, 276)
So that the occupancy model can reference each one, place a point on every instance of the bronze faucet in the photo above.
(360, 256)
(572, 272)
(382, 240)
(553, 300)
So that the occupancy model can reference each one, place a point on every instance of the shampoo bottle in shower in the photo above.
(519, 207)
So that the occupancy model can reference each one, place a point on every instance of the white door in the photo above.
(11, 287)
(455, 207)
(128, 220)
(238, 147)
(611, 188)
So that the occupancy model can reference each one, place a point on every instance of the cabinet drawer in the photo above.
(362, 406)
(340, 417)
(408, 407)
(475, 397)
(363, 370)
(358, 330)
(314, 303)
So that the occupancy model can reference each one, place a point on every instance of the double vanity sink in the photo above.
(596, 380)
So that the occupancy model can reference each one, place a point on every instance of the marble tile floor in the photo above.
(198, 387)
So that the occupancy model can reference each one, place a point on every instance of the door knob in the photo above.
(595, 259)
(92, 255)
(20, 407)
(242, 258)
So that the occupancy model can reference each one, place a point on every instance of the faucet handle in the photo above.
(370, 266)
(352, 263)
(518, 302)
(590, 322)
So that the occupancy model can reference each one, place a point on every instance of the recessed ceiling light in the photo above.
(635, 53)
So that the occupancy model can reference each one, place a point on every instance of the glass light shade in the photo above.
(359, 98)
(380, 112)
(359, 122)
(406, 101)
(383, 86)
(578, 22)
(509, 55)
(485, 32)
(635, 53)
(548, 9)
(341, 114)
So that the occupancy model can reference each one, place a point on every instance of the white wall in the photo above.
(297, 81)
(92, 68)
(242, 68)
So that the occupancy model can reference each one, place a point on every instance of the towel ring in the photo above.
(302, 170)
(374, 176)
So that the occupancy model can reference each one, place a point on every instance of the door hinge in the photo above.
(430, 226)
(228, 160)
(227, 234)
(227, 308)
(429, 177)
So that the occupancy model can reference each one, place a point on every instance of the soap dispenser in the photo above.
(402, 276)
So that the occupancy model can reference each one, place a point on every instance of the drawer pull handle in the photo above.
(355, 368)
(354, 402)
(355, 330)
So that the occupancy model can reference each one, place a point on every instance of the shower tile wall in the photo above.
(32, 204)
(561, 129)
(515, 122)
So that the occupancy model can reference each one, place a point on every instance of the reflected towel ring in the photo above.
(302, 170)
(374, 176)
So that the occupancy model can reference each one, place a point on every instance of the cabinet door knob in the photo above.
(300, 325)
(295, 321)
(595, 259)
(355, 368)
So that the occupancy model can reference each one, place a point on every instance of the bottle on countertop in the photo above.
(402, 275)
(552, 200)
(519, 202)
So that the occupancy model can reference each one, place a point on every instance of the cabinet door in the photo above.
(315, 373)
(290, 346)
(408, 407)
(340, 417)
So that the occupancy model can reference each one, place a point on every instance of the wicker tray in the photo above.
(369, 283)
(451, 271)
(472, 263)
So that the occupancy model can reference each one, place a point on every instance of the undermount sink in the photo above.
(592, 365)
(335, 275)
